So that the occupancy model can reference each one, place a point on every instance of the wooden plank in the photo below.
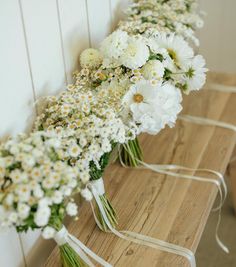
(163, 207)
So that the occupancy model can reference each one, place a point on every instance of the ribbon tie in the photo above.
(136, 237)
(62, 237)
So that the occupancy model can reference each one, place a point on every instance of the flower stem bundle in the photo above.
(131, 153)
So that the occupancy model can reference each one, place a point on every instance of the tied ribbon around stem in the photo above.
(219, 182)
(136, 237)
(62, 237)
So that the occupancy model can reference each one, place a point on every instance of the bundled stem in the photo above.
(131, 153)
(69, 258)
(95, 174)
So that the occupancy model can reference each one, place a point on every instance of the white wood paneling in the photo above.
(16, 96)
(117, 11)
(43, 35)
(74, 30)
(11, 250)
(99, 16)
(46, 61)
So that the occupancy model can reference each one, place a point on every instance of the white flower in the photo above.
(84, 176)
(86, 193)
(57, 197)
(113, 46)
(23, 192)
(135, 55)
(48, 183)
(38, 192)
(153, 106)
(48, 232)
(18, 176)
(42, 216)
(153, 69)
(195, 73)
(13, 217)
(71, 209)
(90, 58)
(23, 210)
(9, 199)
(44, 202)
(178, 49)
(74, 150)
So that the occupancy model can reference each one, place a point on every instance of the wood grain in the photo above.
(164, 207)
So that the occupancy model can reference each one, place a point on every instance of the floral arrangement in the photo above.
(132, 84)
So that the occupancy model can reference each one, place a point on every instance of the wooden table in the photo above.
(171, 209)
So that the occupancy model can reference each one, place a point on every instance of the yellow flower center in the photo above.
(172, 55)
(138, 98)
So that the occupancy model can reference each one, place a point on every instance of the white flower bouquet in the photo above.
(132, 84)
(96, 131)
(142, 78)
(178, 16)
(37, 186)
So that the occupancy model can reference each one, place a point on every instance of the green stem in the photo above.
(69, 258)
(131, 153)
(110, 213)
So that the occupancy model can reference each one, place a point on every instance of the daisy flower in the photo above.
(195, 76)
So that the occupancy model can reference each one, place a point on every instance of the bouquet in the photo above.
(132, 84)
(37, 188)
(96, 131)
(143, 78)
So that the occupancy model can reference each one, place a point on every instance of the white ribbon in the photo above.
(208, 122)
(62, 237)
(221, 88)
(139, 238)
(220, 182)
(99, 186)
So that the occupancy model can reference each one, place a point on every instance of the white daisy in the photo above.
(178, 49)
(153, 107)
(195, 76)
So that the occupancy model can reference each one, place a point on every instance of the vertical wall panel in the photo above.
(16, 102)
(117, 10)
(44, 43)
(11, 250)
(99, 14)
(74, 30)
(16, 96)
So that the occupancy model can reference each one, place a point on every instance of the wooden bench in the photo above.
(171, 209)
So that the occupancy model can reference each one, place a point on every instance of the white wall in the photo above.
(39, 48)
(218, 37)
